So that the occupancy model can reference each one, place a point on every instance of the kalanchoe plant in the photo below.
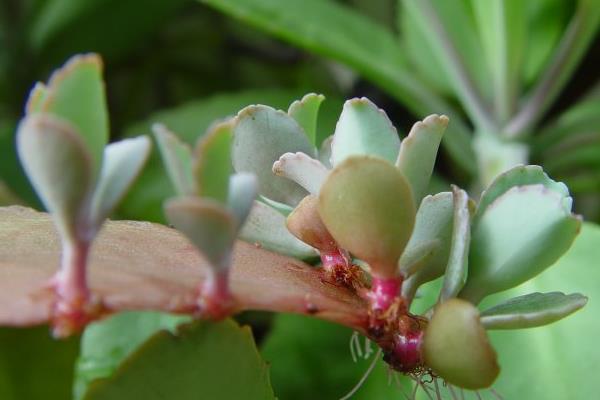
(211, 206)
(62, 144)
(370, 210)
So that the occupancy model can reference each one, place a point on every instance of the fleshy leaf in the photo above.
(243, 189)
(513, 241)
(213, 360)
(122, 163)
(418, 152)
(261, 135)
(531, 310)
(458, 260)
(106, 343)
(302, 169)
(305, 112)
(456, 347)
(265, 227)
(368, 207)
(76, 93)
(433, 224)
(177, 157)
(59, 166)
(306, 224)
(207, 224)
(325, 152)
(520, 175)
(281, 208)
(36, 98)
(212, 162)
(364, 129)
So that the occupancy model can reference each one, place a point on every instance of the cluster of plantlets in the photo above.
(360, 203)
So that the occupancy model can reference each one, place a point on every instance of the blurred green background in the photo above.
(187, 63)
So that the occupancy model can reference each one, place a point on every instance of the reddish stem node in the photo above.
(384, 292)
(215, 300)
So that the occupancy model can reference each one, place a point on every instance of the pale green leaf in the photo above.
(367, 206)
(458, 260)
(302, 169)
(122, 163)
(243, 190)
(520, 175)
(495, 156)
(426, 255)
(59, 167)
(207, 225)
(212, 162)
(261, 135)
(306, 112)
(265, 227)
(177, 159)
(531, 310)
(418, 152)
(76, 94)
(281, 208)
(520, 234)
(364, 129)
(212, 360)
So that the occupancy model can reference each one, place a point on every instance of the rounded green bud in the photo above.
(456, 346)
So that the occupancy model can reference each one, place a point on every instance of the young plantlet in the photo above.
(61, 144)
(211, 206)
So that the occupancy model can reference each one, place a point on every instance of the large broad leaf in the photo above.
(317, 354)
(561, 357)
(364, 129)
(35, 366)
(59, 166)
(105, 344)
(335, 31)
(262, 135)
(144, 200)
(201, 360)
(520, 234)
(76, 94)
(145, 266)
(367, 206)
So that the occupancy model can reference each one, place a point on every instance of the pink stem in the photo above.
(333, 258)
(383, 292)
(405, 354)
(71, 279)
(215, 297)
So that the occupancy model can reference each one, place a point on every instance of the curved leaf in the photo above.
(266, 228)
(76, 93)
(305, 112)
(207, 224)
(177, 158)
(212, 162)
(418, 152)
(302, 169)
(367, 206)
(243, 190)
(60, 168)
(122, 163)
(531, 310)
(261, 135)
(364, 129)
(520, 234)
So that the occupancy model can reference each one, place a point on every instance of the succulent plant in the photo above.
(62, 144)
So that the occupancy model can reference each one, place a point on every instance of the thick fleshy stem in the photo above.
(404, 354)
(384, 292)
(215, 300)
(74, 307)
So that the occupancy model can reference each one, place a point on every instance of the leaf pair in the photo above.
(212, 204)
(61, 144)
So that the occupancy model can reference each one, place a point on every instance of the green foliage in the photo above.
(212, 360)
